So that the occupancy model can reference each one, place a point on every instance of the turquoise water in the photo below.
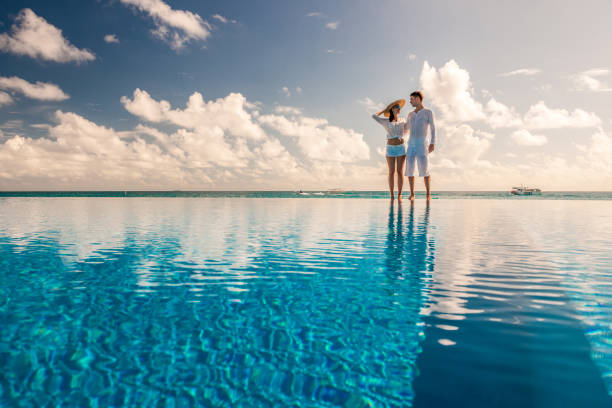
(291, 302)
(480, 195)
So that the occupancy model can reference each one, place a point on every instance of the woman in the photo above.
(396, 150)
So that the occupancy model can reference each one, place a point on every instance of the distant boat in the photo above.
(320, 193)
(523, 190)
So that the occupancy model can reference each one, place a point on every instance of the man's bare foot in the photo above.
(411, 197)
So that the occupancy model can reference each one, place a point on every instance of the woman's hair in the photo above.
(391, 114)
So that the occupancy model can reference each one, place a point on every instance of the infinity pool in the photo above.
(248, 302)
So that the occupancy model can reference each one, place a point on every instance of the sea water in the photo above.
(235, 301)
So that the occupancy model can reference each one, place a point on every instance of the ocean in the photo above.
(497, 195)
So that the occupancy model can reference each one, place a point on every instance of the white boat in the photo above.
(522, 190)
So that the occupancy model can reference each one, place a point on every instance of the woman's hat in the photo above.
(387, 111)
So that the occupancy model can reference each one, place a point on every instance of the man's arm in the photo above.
(407, 123)
(432, 129)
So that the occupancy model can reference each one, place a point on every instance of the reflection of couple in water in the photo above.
(416, 151)
(409, 247)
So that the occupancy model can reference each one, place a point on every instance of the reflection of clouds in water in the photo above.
(296, 285)
(205, 237)
(449, 290)
(586, 267)
(302, 287)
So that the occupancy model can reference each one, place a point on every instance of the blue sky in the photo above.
(520, 91)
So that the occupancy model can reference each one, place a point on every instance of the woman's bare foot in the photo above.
(399, 198)
(411, 197)
(428, 197)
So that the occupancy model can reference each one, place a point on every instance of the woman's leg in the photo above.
(391, 166)
(399, 169)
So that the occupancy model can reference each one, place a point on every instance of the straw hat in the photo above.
(387, 111)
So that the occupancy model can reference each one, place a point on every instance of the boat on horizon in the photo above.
(524, 190)
(324, 192)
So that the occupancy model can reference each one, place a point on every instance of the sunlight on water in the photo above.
(253, 302)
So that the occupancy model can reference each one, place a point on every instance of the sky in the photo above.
(278, 95)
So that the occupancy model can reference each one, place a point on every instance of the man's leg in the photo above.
(427, 180)
(411, 184)
(410, 161)
(399, 162)
(423, 162)
(391, 166)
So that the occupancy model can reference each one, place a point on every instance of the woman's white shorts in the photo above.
(395, 151)
(422, 160)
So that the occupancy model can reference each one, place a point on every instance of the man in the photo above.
(418, 151)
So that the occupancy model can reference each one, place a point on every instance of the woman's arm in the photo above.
(380, 120)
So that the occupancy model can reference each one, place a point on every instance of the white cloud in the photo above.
(315, 14)
(40, 90)
(222, 19)
(12, 125)
(5, 99)
(319, 140)
(597, 72)
(598, 155)
(81, 154)
(332, 25)
(285, 91)
(176, 27)
(461, 147)
(216, 144)
(298, 89)
(450, 90)
(540, 116)
(111, 38)
(411, 57)
(462, 155)
(34, 37)
(543, 87)
(590, 80)
(370, 105)
(499, 115)
(287, 110)
(230, 114)
(525, 138)
(486, 135)
(523, 72)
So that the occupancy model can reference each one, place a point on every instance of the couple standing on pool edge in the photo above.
(417, 150)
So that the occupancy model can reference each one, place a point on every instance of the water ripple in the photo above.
(221, 302)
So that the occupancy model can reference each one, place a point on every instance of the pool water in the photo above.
(247, 302)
